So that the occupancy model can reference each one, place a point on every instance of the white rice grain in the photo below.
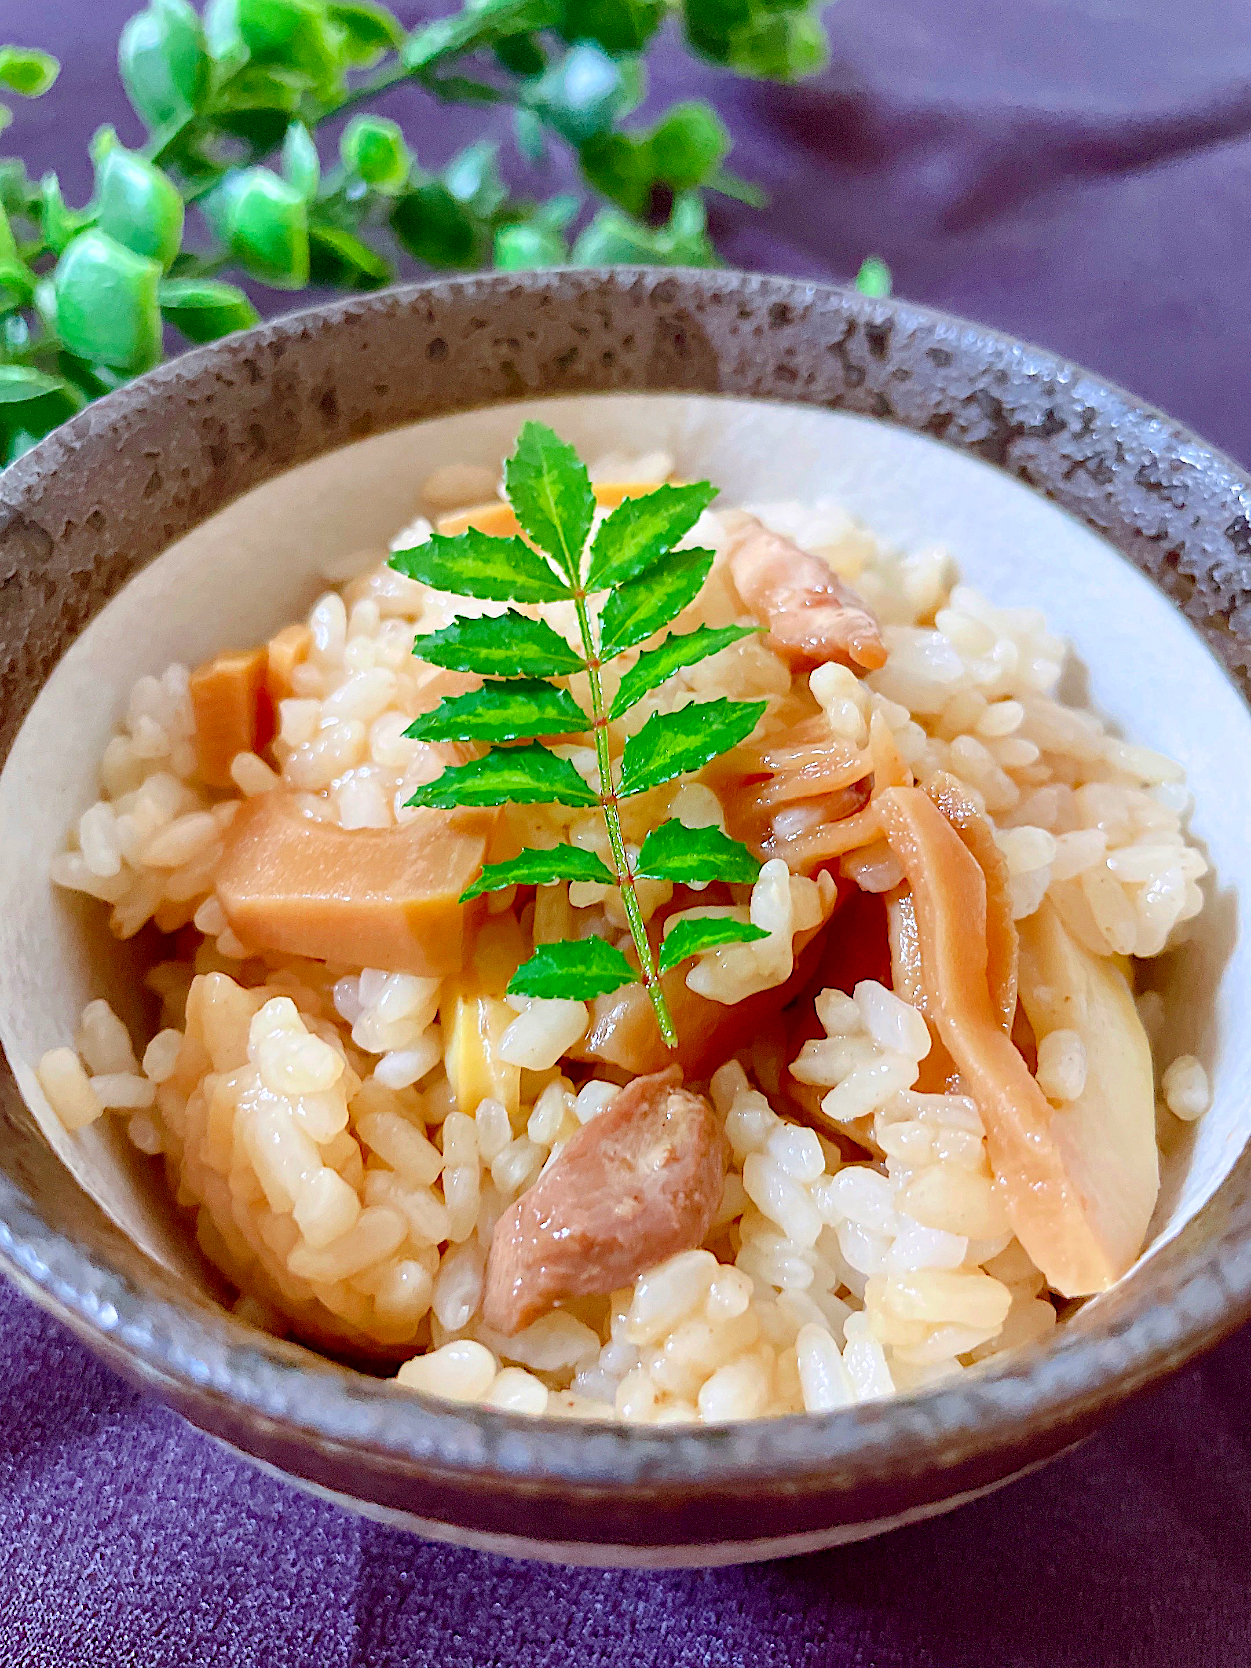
(1061, 1065)
(462, 1371)
(542, 1032)
(104, 1042)
(1187, 1091)
(824, 1379)
(123, 1089)
(68, 1088)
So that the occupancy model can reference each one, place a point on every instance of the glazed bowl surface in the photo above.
(199, 507)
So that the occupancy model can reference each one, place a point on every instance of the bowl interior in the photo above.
(262, 560)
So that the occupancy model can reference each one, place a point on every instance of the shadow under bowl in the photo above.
(778, 388)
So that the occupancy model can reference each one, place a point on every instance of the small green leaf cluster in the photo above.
(231, 175)
(26, 72)
(777, 39)
(524, 704)
(873, 278)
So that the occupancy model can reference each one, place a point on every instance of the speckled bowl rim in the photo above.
(1192, 527)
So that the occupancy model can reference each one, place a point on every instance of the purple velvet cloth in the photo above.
(1077, 172)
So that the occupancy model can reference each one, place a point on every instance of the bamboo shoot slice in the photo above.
(232, 712)
(1107, 1135)
(289, 649)
(972, 825)
(361, 897)
(497, 518)
(1079, 1248)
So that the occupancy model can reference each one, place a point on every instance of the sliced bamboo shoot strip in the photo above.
(961, 810)
(498, 518)
(833, 839)
(889, 769)
(905, 948)
(906, 979)
(1076, 1247)
(1107, 1134)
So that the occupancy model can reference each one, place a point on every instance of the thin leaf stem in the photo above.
(380, 82)
(204, 266)
(163, 144)
(612, 820)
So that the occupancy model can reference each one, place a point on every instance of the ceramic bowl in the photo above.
(199, 506)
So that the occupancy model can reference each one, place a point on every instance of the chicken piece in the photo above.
(640, 1182)
(1107, 1135)
(1081, 1240)
(970, 823)
(811, 615)
(233, 712)
(362, 897)
(289, 649)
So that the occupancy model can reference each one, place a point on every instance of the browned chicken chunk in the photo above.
(811, 615)
(641, 1181)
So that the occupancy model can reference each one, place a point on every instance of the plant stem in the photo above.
(162, 143)
(386, 78)
(612, 820)
(204, 266)
(377, 83)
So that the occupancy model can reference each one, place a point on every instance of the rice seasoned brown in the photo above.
(346, 1138)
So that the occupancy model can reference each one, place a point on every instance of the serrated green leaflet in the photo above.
(640, 530)
(638, 609)
(474, 564)
(504, 645)
(675, 852)
(541, 868)
(550, 492)
(655, 666)
(245, 104)
(651, 583)
(577, 970)
(511, 711)
(672, 743)
(704, 932)
(509, 776)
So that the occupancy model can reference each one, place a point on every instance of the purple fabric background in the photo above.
(1077, 172)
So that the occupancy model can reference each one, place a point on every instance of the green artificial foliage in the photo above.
(237, 177)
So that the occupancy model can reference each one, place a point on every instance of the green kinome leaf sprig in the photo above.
(646, 582)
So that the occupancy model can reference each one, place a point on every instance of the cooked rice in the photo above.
(345, 1148)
